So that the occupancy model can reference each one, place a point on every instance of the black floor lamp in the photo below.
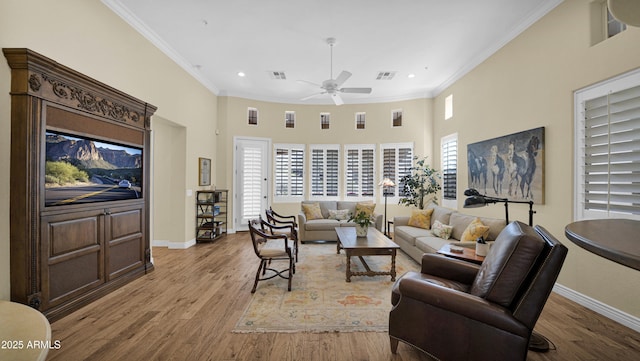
(385, 184)
(537, 342)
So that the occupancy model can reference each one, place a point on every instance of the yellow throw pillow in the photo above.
(474, 230)
(366, 207)
(421, 218)
(312, 211)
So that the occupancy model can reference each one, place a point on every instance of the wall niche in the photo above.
(79, 186)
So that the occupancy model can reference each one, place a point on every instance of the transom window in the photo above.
(252, 116)
(325, 119)
(396, 118)
(360, 120)
(289, 119)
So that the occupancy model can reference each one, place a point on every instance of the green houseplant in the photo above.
(362, 221)
(422, 182)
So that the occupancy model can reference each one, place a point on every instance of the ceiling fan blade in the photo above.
(356, 90)
(342, 78)
(309, 82)
(337, 99)
(313, 95)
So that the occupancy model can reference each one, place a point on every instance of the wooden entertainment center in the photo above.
(69, 252)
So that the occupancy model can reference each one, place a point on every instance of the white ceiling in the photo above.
(436, 40)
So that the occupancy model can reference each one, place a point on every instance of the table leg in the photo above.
(348, 267)
(393, 265)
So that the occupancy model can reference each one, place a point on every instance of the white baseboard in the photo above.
(173, 245)
(612, 313)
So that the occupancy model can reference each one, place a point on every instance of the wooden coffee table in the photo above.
(374, 244)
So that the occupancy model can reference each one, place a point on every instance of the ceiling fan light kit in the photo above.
(332, 86)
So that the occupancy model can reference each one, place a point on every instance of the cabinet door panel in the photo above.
(73, 255)
(125, 241)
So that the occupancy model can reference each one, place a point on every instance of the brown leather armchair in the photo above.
(456, 310)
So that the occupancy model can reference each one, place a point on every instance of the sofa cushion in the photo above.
(409, 233)
(441, 214)
(441, 230)
(508, 263)
(366, 207)
(339, 214)
(475, 230)
(460, 222)
(349, 205)
(321, 224)
(421, 218)
(430, 244)
(312, 211)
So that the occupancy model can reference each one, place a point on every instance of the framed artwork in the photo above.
(204, 171)
(511, 166)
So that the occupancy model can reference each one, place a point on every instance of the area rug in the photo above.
(320, 299)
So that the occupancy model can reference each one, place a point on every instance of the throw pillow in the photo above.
(441, 230)
(421, 218)
(366, 207)
(474, 230)
(312, 211)
(339, 214)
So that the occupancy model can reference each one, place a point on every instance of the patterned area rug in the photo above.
(320, 299)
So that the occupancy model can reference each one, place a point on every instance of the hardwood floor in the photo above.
(187, 307)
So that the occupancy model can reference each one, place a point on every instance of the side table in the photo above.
(468, 254)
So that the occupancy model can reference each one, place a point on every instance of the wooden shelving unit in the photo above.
(211, 215)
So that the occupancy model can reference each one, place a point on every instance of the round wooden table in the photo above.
(614, 239)
(25, 334)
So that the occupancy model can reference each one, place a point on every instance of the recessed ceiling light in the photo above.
(411, 75)
(241, 74)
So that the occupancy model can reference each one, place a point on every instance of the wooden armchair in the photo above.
(260, 238)
(286, 225)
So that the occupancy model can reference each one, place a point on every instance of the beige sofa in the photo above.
(416, 241)
(324, 229)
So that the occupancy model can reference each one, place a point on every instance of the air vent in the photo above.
(277, 75)
(386, 75)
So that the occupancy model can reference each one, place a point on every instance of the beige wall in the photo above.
(88, 37)
(232, 113)
(529, 84)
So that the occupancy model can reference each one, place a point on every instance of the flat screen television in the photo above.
(80, 170)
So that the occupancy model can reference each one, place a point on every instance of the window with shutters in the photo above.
(288, 172)
(449, 166)
(608, 149)
(325, 170)
(396, 160)
(360, 120)
(252, 116)
(396, 118)
(359, 160)
(325, 119)
(289, 119)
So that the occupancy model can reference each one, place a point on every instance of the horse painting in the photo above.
(514, 164)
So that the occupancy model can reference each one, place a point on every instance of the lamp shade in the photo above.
(386, 183)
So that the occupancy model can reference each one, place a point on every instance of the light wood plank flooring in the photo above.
(187, 307)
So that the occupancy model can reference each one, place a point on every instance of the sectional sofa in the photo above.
(416, 241)
(324, 229)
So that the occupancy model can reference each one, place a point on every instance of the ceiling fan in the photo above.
(333, 86)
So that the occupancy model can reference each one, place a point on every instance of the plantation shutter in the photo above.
(252, 182)
(359, 176)
(449, 166)
(397, 160)
(612, 152)
(289, 171)
(325, 167)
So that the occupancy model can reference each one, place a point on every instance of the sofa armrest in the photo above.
(378, 222)
(449, 268)
(400, 221)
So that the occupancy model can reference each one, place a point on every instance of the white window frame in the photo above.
(324, 149)
(397, 172)
(449, 157)
(290, 168)
(613, 85)
(360, 169)
(249, 110)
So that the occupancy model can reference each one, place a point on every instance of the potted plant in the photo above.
(422, 182)
(362, 221)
